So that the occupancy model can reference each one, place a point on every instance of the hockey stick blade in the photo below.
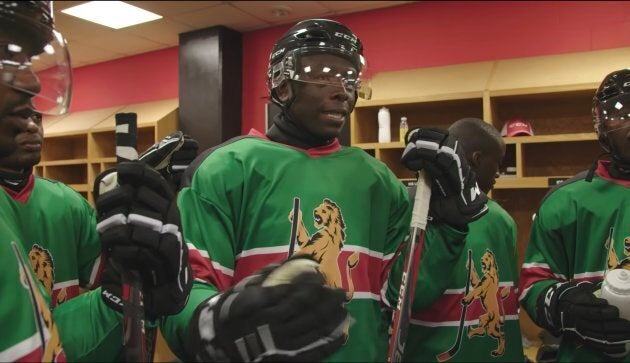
(294, 225)
(402, 313)
(442, 357)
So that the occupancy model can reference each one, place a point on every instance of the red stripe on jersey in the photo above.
(248, 265)
(202, 269)
(70, 292)
(448, 307)
(367, 275)
(37, 356)
(34, 356)
(531, 275)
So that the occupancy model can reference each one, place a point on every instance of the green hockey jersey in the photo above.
(29, 333)
(57, 228)
(581, 230)
(88, 329)
(486, 327)
(353, 216)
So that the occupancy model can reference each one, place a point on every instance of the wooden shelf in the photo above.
(64, 162)
(513, 182)
(553, 93)
(80, 187)
(79, 146)
(551, 138)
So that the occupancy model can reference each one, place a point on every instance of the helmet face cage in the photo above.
(296, 66)
(32, 48)
(318, 36)
(611, 105)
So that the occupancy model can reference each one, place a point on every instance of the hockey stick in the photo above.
(133, 309)
(294, 225)
(28, 279)
(460, 333)
(610, 245)
(402, 314)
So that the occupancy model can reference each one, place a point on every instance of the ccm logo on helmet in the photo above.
(279, 51)
(626, 84)
(353, 39)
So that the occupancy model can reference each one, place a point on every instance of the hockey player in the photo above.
(476, 319)
(49, 239)
(582, 230)
(347, 210)
(64, 220)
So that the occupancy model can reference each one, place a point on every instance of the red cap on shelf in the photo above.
(517, 127)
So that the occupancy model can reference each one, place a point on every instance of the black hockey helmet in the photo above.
(611, 104)
(31, 44)
(317, 36)
(30, 16)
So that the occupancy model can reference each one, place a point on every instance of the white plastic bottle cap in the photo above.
(618, 281)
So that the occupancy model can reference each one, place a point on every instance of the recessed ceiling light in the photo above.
(114, 14)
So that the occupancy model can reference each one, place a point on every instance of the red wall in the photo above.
(141, 78)
(421, 34)
(433, 33)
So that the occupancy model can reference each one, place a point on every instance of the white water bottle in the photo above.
(384, 125)
(616, 290)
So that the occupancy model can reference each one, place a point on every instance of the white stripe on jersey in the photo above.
(63, 284)
(216, 265)
(454, 323)
(21, 349)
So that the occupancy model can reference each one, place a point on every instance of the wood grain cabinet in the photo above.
(553, 93)
(80, 145)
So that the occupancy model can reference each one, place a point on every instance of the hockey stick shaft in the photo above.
(294, 225)
(402, 313)
(133, 310)
(458, 340)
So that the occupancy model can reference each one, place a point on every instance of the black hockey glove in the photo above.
(284, 313)
(455, 197)
(139, 225)
(171, 156)
(571, 309)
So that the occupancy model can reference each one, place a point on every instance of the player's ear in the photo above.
(475, 159)
(284, 91)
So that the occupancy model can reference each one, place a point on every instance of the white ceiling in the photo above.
(91, 43)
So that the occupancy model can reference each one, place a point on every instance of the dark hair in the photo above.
(475, 134)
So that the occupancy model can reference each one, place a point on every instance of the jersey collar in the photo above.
(23, 195)
(602, 172)
(312, 152)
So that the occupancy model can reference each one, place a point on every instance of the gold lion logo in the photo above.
(43, 265)
(44, 268)
(613, 261)
(326, 244)
(486, 290)
(53, 350)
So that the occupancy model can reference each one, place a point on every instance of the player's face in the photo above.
(323, 108)
(21, 133)
(487, 166)
(618, 132)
